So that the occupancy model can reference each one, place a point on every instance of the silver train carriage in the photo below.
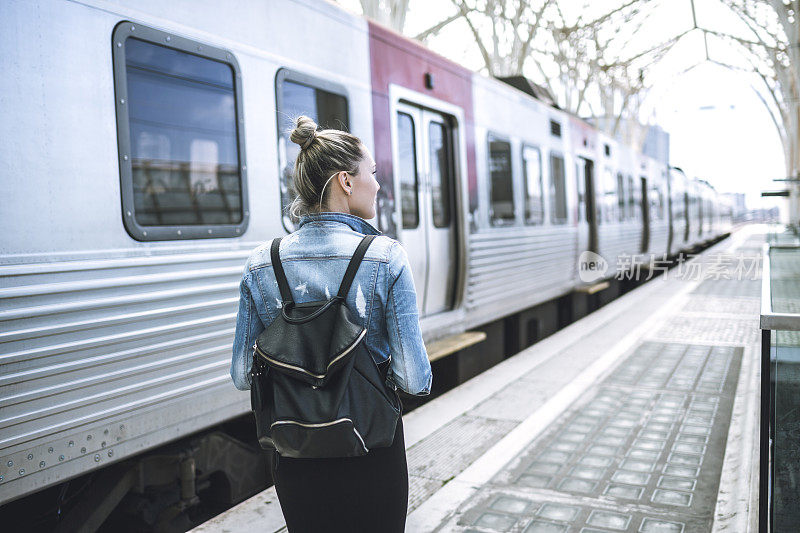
(144, 153)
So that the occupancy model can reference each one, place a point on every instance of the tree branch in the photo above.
(433, 30)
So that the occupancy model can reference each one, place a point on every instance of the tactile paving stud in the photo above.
(681, 471)
(510, 505)
(539, 526)
(667, 482)
(577, 485)
(587, 472)
(637, 466)
(559, 512)
(534, 480)
(634, 478)
(627, 492)
(656, 525)
(608, 519)
(495, 521)
(595, 460)
(672, 497)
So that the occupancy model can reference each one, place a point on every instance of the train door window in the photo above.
(633, 208)
(501, 211)
(580, 185)
(300, 94)
(677, 202)
(179, 118)
(656, 203)
(558, 193)
(620, 197)
(608, 200)
(409, 179)
(532, 171)
(599, 198)
(701, 214)
(441, 172)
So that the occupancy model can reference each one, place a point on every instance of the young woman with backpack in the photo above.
(321, 487)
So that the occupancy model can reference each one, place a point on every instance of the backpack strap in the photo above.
(280, 275)
(352, 267)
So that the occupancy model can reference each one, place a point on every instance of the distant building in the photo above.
(737, 201)
(656, 144)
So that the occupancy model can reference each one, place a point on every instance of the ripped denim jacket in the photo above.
(314, 258)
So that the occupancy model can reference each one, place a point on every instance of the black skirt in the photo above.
(353, 494)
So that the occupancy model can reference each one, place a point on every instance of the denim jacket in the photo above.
(315, 257)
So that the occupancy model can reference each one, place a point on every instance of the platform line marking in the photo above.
(740, 467)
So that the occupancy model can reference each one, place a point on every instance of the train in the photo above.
(145, 153)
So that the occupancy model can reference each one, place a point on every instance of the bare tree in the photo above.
(569, 54)
(391, 13)
(503, 30)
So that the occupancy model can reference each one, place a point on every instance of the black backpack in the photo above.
(316, 390)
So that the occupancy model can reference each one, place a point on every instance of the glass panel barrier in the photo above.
(779, 506)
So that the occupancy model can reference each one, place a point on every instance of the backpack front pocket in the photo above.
(337, 438)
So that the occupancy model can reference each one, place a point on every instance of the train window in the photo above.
(179, 116)
(580, 185)
(633, 208)
(441, 173)
(409, 180)
(699, 215)
(656, 203)
(299, 94)
(608, 202)
(501, 211)
(558, 193)
(620, 197)
(679, 206)
(599, 197)
(532, 170)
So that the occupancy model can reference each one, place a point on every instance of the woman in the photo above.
(334, 177)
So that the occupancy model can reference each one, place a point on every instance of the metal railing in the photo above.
(780, 374)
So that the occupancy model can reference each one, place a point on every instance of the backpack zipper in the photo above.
(300, 369)
(323, 424)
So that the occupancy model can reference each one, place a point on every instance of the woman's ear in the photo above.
(347, 185)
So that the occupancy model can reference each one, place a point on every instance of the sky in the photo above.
(719, 128)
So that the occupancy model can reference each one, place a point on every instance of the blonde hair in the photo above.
(323, 154)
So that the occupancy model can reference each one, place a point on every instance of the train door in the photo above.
(645, 216)
(587, 169)
(580, 187)
(425, 168)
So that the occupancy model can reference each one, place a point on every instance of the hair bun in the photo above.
(304, 131)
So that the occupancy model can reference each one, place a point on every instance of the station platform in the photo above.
(643, 417)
